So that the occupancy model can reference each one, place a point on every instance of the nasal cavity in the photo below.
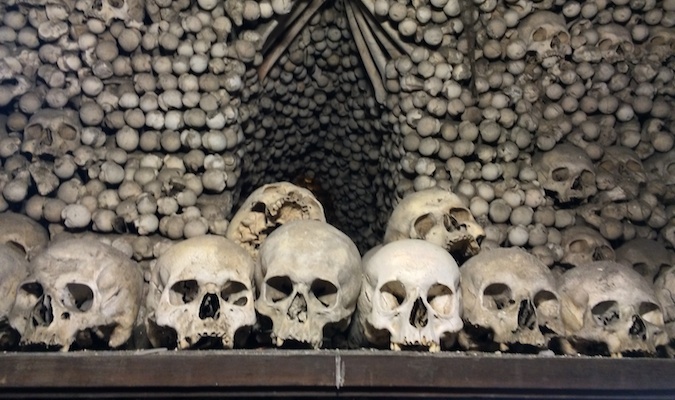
(209, 307)
(526, 316)
(638, 328)
(42, 312)
(419, 318)
(298, 308)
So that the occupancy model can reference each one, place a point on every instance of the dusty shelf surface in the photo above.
(329, 373)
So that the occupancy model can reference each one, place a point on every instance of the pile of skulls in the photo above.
(151, 121)
(284, 277)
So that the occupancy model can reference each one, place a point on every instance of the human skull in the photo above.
(131, 12)
(410, 298)
(661, 43)
(615, 42)
(308, 277)
(437, 216)
(661, 166)
(12, 82)
(510, 300)
(664, 286)
(545, 34)
(567, 171)
(626, 167)
(583, 244)
(22, 233)
(269, 207)
(80, 294)
(648, 257)
(201, 295)
(609, 308)
(13, 270)
(52, 132)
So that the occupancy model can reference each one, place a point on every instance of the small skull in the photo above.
(131, 12)
(567, 171)
(80, 294)
(661, 166)
(269, 207)
(545, 34)
(437, 216)
(626, 167)
(510, 300)
(13, 270)
(22, 233)
(201, 295)
(661, 43)
(309, 277)
(52, 132)
(615, 42)
(12, 82)
(648, 257)
(410, 298)
(610, 309)
(582, 245)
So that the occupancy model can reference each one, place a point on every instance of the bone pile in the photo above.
(149, 121)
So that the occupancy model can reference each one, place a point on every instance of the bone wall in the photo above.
(150, 119)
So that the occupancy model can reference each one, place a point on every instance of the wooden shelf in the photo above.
(354, 373)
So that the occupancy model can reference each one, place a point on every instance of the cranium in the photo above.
(583, 244)
(309, 277)
(545, 34)
(437, 216)
(664, 286)
(510, 300)
(567, 171)
(12, 82)
(80, 293)
(661, 166)
(661, 43)
(626, 167)
(648, 257)
(22, 233)
(269, 207)
(13, 270)
(131, 12)
(614, 42)
(201, 295)
(410, 298)
(609, 308)
(52, 132)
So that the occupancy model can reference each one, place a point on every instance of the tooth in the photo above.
(395, 347)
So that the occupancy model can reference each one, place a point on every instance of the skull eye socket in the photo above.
(439, 298)
(539, 35)
(497, 296)
(603, 253)
(605, 44)
(33, 289)
(587, 178)
(641, 268)
(278, 288)
(392, 294)
(424, 224)
(560, 174)
(606, 313)
(651, 313)
(633, 166)
(32, 132)
(579, 246)
(546, 303)
(561, 38)
(235, 293)
(670, 169)
(325, 292)
(183, 292)
(79, 297)
(67, 132)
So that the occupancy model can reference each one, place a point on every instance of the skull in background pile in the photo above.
(52, 132)
(201, 295)
(309, 277)
(439, 217)
(661, 166)
(648, 257)
(80, 293)
(609, 308)
(130, 12)
(13, 270)
(624, 165)
(510, 300)
(22, 233)
(269, 207)
(664, 286)
(410, 297)
(545, 34)
(567, 171)
(583, 244)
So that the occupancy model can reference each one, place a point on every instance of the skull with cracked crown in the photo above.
(437, 216)
(269, 207)
(201, 295)
(610, 309)
(80, 294)
(309, 277)
(410, 298)
(510, 301)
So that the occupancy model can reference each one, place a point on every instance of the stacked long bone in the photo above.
(294, 280)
